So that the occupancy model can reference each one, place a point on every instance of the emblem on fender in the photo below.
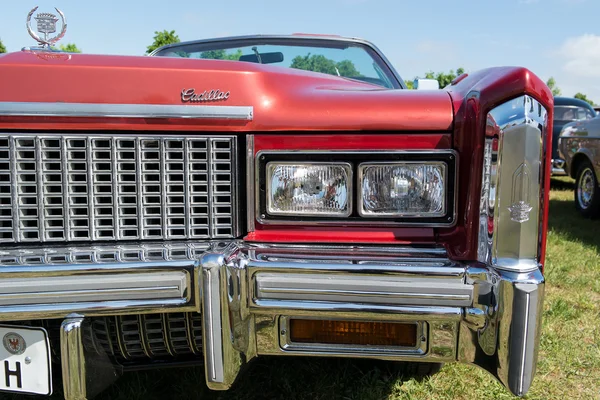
(46, 25)
(14, 343)
(190, 95)
(520, 207)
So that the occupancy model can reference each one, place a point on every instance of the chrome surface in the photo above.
(191, 96)
(511, 186)
(46, 24)
(59, 188)
(250, 217)
(380, 221)
(146, 337)
(72, 358)
(585, 188)
(160, 285)
(451, 292)
(47, 261)
(295, 37)
(227, 324)
(503, 337)
(230, 322)
(287, 344)
(102, 110)
(99, 280)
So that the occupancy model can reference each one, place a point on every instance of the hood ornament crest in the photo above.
(46, 25)
(520, 207)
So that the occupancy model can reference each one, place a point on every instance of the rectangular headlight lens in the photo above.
(309, 189)
(403, 189)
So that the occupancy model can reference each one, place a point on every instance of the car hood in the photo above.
(281, 98)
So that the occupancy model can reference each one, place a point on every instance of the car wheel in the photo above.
(587, 193)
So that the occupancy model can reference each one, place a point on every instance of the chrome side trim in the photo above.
(72, 358)
(357, 288)
(160, 285)
(100, 110)
(250, 185)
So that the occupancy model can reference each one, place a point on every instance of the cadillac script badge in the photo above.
(14, 343)
(46, 25)
(190, 95)
(520, 207)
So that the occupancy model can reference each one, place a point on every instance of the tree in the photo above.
(161, 39)
(320, 63)
(552, 85)
(69, 48)
(221, 55)
(443, 78)
(583, 97)
(2, 48)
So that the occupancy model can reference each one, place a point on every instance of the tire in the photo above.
(587, 192)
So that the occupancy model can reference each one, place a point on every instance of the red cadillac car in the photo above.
(227, 199)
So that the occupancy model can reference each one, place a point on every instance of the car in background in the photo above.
(567, 110)
(579, 146)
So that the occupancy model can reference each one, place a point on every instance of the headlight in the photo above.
(403, 189)
(309, 189)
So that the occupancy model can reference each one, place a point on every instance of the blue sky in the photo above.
(557, 38)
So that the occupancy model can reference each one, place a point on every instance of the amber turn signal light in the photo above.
(363, 333)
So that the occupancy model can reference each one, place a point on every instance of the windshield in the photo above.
(572, 113)
(338, 58)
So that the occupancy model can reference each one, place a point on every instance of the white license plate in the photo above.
(25, 360)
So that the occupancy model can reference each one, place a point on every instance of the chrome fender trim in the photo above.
(504, 338)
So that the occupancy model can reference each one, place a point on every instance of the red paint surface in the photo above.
(356, 116)
(284, 99)
(341, 235)
(363, 141)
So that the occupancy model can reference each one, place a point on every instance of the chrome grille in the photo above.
(122, 253)
(116, 187)
(149, 336)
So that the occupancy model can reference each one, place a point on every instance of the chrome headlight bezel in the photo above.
(355, 159)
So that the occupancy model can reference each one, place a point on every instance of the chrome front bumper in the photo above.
(247, 293)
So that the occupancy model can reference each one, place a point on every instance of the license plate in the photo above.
(25, 360)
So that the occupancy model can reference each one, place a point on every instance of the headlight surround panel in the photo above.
(357, 160)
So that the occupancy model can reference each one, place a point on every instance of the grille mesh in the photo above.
(116, 187)
(150, 336)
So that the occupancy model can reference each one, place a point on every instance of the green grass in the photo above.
(569, 359)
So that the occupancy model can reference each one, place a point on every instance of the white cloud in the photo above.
(581, 55)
